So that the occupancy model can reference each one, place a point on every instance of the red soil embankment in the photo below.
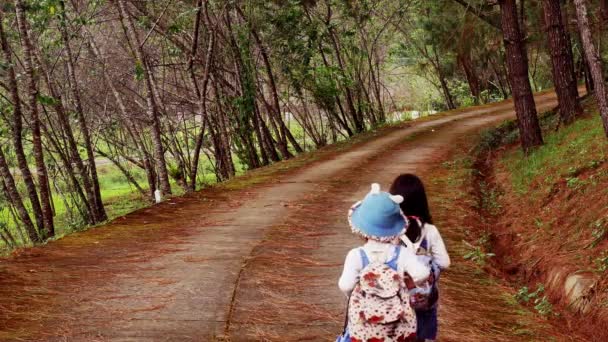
(548, 222)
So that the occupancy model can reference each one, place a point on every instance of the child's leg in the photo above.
(427, 324)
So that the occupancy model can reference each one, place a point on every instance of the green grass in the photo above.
(119, 196)
(572, 148)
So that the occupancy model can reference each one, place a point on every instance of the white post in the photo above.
(157, 196)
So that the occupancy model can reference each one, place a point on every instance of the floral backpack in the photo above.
(379, 306)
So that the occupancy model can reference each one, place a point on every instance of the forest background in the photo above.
(102, 103)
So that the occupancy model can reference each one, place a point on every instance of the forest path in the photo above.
(257, 263)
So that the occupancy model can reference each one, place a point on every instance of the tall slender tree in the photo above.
(32, 95)
(517, 67)
(562, 62)
(8, 183)
(17, 128)
(594, 60)
(143, 66)
(91, 178)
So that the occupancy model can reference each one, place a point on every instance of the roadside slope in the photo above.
(552, 227)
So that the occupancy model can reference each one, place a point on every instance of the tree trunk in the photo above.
(32, 92)
(445, 90)
(97, 203)
(67, 160)
(152, 105)
(284, 131)
(594, 60)
(267, 142)
(224, 138)
(17, 129)
(350, 104)
(358, 121)
(15, 199)
(586, 74)
(562, 63)
(464, 60)
(222, 123)
(247, 120)
(517, 67)
(71, 157)
(201, 92)
(341, 119)
(449, 100)
(377, 88)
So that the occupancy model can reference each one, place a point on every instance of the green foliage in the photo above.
(477, 254)
(139, 70)
(572, 148)
(175, 172)
(541, 302)
(574, 182)
(599, 228)
(432, 48)
(543, 306)
(330, 56)
(489, 198)
(462, 93)
(524, 295)
(601, 263)
(325, 87)
(46, 100)
(493, 138)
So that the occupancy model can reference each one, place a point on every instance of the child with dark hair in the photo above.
(423, 238)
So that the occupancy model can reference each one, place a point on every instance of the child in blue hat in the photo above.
(373, 275)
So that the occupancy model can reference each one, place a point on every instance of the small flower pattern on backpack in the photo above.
(379, 307)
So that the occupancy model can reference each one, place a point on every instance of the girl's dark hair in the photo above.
(414, 202)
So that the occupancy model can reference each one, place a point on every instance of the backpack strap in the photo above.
(393, 262)
(420, 243)
(345, 327)
(364, 258)
(409, 244)
(424, 244)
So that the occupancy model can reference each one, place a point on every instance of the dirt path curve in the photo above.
(257, 263)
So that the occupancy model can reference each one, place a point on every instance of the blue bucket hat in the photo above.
(378, 216)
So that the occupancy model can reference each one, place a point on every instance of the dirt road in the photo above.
(251, 264)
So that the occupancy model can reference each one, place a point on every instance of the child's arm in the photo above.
(438, 250)
(350, 274)
(409, 262)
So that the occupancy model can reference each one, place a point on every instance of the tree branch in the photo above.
(479, 12)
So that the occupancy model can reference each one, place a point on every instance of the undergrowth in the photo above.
(537, 298)
(547, 213)
(491, 308)
(565, 154)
